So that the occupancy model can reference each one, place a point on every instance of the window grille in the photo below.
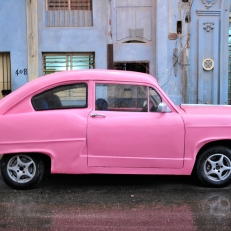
(69, 13)
(69, 5)
(5, 74)
(55, 62)
(138, 67)
(57, 5)
(81, 5)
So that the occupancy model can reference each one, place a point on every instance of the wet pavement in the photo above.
(111, 202)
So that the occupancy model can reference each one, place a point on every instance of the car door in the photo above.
(58, 125)
(125, 129)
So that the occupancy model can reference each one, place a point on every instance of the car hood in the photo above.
(206, 109)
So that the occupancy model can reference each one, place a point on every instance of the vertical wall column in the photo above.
(162, 23)
(32, 39)
(208, 80)
(223, 47)
(208, 61)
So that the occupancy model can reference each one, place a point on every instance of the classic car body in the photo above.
(88, 129)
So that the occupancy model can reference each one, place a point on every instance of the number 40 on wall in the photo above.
(21, 72)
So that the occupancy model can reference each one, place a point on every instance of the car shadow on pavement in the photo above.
(71, 181)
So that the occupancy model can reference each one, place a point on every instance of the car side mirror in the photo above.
(162, 107)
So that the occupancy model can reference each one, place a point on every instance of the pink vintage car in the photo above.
(109, 122)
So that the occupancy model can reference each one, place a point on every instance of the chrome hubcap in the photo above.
(217, 167)
(21, 168)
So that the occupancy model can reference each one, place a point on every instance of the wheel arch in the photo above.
(46, 159)
(225, 143)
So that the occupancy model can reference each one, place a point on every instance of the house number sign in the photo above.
(21, 72)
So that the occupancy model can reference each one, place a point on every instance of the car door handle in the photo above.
(94, 115)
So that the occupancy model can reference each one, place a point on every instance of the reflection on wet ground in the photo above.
(100, 202)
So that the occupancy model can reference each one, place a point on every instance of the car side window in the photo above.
(121, 97)
(62, 97)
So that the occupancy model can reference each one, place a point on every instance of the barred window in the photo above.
(81, 5)
(69, 4)
(69, 13)
(55, 62)
(57, 4)
(5, 74)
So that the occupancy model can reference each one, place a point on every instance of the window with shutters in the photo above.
(55, 62)
(5, 74)
(69, 13)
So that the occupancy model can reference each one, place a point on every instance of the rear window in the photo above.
(62, 97)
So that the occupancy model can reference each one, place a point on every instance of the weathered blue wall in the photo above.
(138, 17)
(179, 62)
(209, 39)
(158, 50)
(175, 62)
(168, 70)
(76, 39)
(13, 38)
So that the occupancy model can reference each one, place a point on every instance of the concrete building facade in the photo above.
(183, 43)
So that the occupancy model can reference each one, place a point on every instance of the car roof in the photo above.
(69, 76)
(98, 74)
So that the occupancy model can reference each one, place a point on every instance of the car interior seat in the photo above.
(101, 104)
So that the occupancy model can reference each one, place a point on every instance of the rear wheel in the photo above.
(213, 167)
(22, 171)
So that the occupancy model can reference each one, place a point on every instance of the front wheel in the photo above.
(213, 167)
(22, 171)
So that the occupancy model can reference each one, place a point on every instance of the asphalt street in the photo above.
(115, 202)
